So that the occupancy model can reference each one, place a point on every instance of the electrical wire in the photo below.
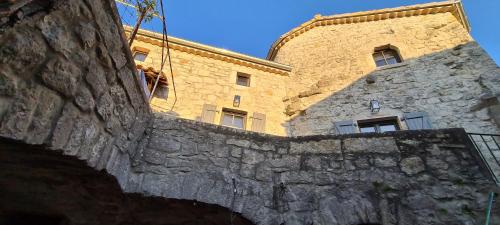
(165, 43)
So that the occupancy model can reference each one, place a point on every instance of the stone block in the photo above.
(328, 146)
(84, 99)
(61, 75)
(252, 157)
(8, 84)
(127, 77)
(48, 108)
(154, 157)
(87, 34)
(238, 142)
(385, 145)
(78, 134)
(17, 119)
(22, 50)
(385, 162)
(64, 126)
(412, 165)
(97, 150)
(105, 106)
(262, 146)
(96, 78)
(56, 33)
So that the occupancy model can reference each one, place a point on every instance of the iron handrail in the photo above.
(486, 143)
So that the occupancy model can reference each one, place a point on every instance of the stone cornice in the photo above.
(212, 52)
(455, 7)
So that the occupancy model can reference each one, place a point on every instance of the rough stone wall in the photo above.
(202, 80)
(412, 177)
(444, 73)
(67, 81)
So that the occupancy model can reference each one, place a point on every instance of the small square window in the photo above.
(233, 119)
(243, 79)
(140, 56)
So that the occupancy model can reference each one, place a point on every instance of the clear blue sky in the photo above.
(250, 27)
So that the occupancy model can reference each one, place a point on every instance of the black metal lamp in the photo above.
(236, 101)
(374, 106)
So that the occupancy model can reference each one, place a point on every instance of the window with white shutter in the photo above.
(208, 114)
(417, 120)
(345, 127)
(259, 122)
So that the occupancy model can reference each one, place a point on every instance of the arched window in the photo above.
(386, 55)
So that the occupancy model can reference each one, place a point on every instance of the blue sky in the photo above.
(250, 27)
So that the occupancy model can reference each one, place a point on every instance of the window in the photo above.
(386, 56)
(233, 118)
(148, 79)
(378, 125)
(243, 79)
(140, 56)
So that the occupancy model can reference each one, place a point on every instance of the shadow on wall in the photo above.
(457, 87)
(40, 186)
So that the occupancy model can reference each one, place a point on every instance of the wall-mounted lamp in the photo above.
(374, 106)
(236, 101)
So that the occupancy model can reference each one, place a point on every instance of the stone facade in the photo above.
(333, 76)
(208, 76)
(444, 73)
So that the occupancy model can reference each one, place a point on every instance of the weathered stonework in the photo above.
(393, 178)
(78, 94)
(208, 76)
(331, 74)
(57, 83)
(444, 73)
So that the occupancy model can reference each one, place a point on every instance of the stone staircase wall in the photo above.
(67, 80)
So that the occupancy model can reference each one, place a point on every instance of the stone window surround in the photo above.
(140, 50)
(391, 66)
(379, 120)
(244, 76)
(396, 118)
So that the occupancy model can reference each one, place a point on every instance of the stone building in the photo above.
(80, 144)
(419, 63)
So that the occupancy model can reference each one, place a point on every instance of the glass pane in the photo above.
(389, 127)
(139, 56)
(238, 122)
(380, 63)
(367, 129)
(227, 120)
(378, 56)
(243, 81)
(392, 60)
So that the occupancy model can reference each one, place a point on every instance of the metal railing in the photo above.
(487, 145)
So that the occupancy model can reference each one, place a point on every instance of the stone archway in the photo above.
(39, 186)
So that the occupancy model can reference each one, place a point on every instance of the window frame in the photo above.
(243, 75)
(384, 52)
(233, 113)
(378, 122)
(140, 52)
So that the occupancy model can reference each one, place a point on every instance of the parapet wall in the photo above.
(67, 80)
(411, 177)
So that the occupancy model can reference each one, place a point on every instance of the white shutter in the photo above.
(259, 122)
(417, 120)
(345, 127)
(208, 114)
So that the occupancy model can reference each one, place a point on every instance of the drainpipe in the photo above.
(490, 205)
